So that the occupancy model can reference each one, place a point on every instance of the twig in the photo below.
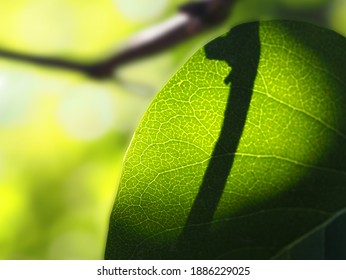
(192, 19)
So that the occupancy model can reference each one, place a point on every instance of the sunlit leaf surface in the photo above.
(242, 153)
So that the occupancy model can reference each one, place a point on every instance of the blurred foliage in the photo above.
(63, 135)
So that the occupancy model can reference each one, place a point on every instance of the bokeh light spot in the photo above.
(141, 10)
(75, 244)
(87, 112)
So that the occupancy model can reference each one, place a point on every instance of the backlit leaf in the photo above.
(242, 153)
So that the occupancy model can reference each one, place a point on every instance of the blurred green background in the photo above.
(63, 135)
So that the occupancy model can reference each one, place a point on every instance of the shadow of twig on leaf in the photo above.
(242, 55)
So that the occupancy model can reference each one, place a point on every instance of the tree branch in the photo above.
(191, 19)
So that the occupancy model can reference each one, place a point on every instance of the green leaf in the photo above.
(243, 151)
(328, 241)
